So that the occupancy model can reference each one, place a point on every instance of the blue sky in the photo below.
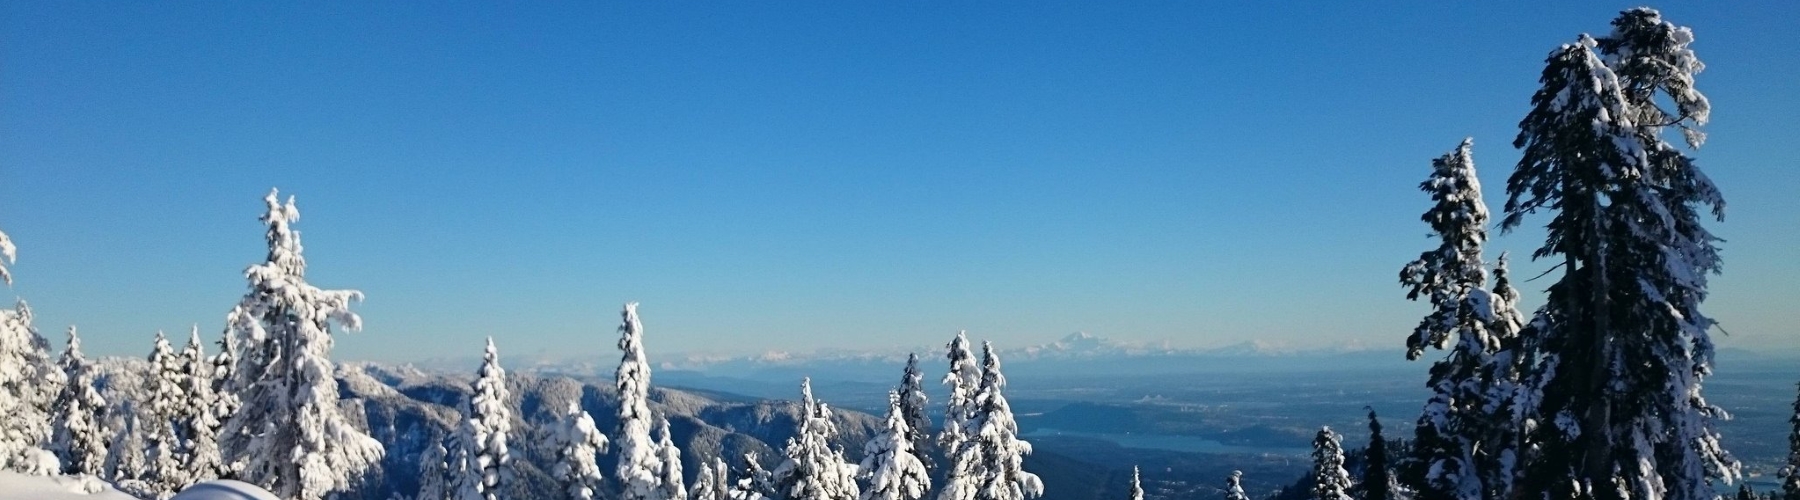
(792, 176)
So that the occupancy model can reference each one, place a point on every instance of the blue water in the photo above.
(1174, 443)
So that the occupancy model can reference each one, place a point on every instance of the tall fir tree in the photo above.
(1330, 480)
(197, 423)
(964, 380)
(80, 424)
(890, 464)
(1234, 486)
(1790, 475)
(488, 459)
(1377, 478)
(814, 470)
(1003, 475)
(639, 466)
(288, 436)
(578, 444)
(1623, 347)
(912, 407)
(1463, 438)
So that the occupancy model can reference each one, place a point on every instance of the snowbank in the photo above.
(16, 486)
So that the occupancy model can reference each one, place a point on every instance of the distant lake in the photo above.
(1173, 443)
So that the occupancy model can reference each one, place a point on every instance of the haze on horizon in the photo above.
(814, 175)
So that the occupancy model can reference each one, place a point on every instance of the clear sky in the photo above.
(781, 175)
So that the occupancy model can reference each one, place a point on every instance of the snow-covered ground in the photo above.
(16, 486)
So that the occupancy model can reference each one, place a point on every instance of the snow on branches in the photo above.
(288, 435)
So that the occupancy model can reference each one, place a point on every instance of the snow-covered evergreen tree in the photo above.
(1623, 347)
(672, 485)
(1234, 486)
(1465, 436)
(713, 482)
(1330, 480)
(288, 436)
(167, 402)
(464, 470)
(964, 380)
(814, 470)
(126, 456)
(640, 466)
(1790, 475)
(912, 408)
(29, 384)
(225, 402)
(578, 444)
(1003, 476)
(1137, 485)
(79, 428)
(890, 464)
(198, 423)
(432, 472)
(489, 421)
(754, 482)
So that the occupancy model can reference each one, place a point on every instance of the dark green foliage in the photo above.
(1377, 479)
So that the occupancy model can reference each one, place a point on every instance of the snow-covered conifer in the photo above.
(1234, 486)
(463, 470)
(166, 403)
(814, 470)
(889, 463)
(1002, 473)
(912, 408)
(1622, 344)
(1331, 481)
(489, 421)
(964, 380)
(639, 465)
(432, 472)
(754, 482)
(80, 422)
(1790, 475)
(713, 482)
(224, 365)
(672, 485)
(198, 422)
(29, 384)
(288, 435)
(1464, 437)
(578, 443)
(1137, 485)
(125, 457)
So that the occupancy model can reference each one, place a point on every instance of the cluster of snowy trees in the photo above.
(981, 435)
(263, 410)
(1597, 395)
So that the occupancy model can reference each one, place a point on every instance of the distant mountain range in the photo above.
(1089, 354)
